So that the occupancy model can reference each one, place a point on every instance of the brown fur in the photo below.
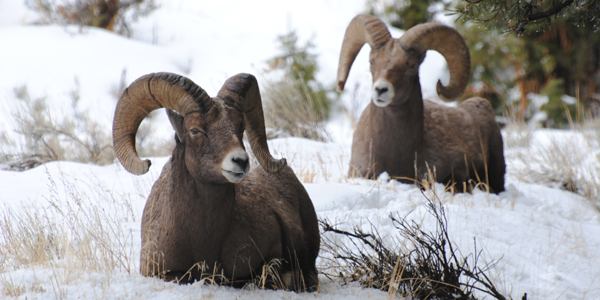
(195, 215)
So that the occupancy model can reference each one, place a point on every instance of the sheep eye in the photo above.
(195, 131)
(370, 62)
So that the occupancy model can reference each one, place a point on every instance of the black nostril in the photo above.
(242, 162)
(381, 90)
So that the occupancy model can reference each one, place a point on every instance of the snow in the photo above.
(547, 240)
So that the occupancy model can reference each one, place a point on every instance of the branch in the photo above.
(529, 16)
(544, 14)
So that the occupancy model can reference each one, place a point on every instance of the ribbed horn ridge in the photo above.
(447, 41)
(241, 91)
(145, 94)
(362, 29)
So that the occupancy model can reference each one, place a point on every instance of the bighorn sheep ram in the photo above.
(406, 136)
(207, 208)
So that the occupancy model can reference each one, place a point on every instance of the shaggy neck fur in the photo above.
(208, 207)
(400, 128)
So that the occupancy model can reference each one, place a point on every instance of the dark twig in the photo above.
(530, 16)
(431, 268)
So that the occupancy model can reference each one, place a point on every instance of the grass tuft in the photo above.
(564, 160)
(76, 231)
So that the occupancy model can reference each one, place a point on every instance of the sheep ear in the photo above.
(177, 123)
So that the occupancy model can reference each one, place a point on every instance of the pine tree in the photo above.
(300, 66)
(532, 15)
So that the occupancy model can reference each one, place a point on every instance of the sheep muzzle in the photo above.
(235, 165)
(382, 92)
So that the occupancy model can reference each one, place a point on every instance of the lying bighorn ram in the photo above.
(399, 131)
(207, 207)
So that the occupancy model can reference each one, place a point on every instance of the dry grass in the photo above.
(269, 277)
(568, 160)
(78, 232)
(289, 110)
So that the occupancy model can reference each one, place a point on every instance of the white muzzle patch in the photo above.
(235, 165)
(382, 93)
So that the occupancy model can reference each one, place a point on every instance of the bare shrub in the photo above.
(43, 138)
(113, 15)
(430, 267)
(286, 111)
(43, 135)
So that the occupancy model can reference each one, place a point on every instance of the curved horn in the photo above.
(241, 91)
(144, 95)
(447, 41)
(362, 29)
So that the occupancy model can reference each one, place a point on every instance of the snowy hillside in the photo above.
(546, 239)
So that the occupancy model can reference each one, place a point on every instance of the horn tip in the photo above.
(279, 164)
(139, 169)
(439, 85)
(340, 85)
(445, 93)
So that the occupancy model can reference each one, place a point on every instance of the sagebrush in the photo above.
(44, 134)
(113, 15)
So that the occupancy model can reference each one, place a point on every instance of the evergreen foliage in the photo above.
(556, 52)
(532, 15)
(562, 59)
(403, 14)
(299, 65)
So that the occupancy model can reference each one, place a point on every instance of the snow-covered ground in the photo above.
(547, 240)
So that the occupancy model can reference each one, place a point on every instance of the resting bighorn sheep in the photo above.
(207, 207)
(399, 131)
